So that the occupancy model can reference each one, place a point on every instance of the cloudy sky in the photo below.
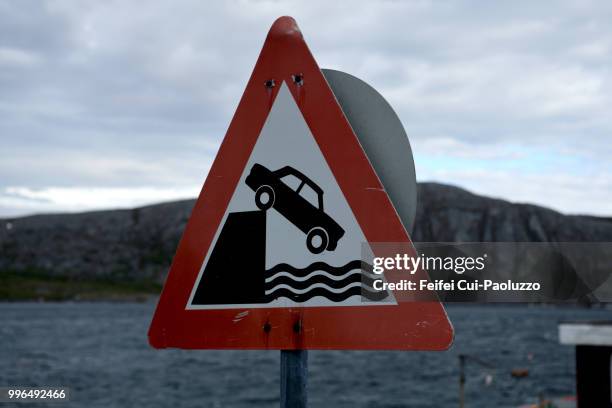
(121, 103)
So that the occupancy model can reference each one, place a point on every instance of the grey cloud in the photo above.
(123, 94)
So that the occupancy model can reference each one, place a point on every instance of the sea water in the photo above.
(100, 351)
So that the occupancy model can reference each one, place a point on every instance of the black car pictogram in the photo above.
(271, 190)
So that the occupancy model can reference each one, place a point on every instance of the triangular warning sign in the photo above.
(272, 256)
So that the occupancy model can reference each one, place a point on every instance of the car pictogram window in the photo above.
(292, 181)
(310, 195)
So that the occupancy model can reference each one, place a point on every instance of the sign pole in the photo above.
(461, 380)
(294, 375)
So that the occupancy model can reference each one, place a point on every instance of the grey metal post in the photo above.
(461, 380)
(294, 374)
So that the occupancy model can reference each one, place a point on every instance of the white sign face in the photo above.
(288, 237)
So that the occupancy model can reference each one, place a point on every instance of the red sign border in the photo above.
(405, 326)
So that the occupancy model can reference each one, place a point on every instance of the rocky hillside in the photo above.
(451, 214)
(137, 245)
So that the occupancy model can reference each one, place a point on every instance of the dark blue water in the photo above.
(100, 351)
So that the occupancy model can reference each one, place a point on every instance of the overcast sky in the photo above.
(117, 103)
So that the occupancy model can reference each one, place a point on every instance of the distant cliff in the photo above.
(136, 246)
(451, 214)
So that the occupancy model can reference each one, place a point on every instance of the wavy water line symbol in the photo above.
(310, 275)
(319, 266)
(315, 278)
(321, 279)
(356, 290)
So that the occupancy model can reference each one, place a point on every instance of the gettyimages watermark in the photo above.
(482, 272)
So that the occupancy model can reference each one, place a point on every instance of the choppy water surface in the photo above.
(100, 351)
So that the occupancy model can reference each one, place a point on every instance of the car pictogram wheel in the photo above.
(317, 240)
(264, 197)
